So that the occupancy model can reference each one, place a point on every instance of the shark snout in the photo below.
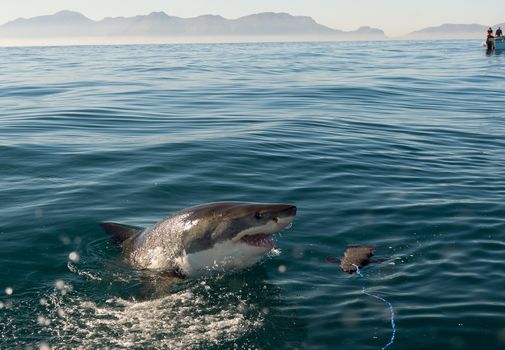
(291, 210)
(285, 211)
(281, 210)
(284, 216)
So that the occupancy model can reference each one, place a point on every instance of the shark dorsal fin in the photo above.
(120, 233)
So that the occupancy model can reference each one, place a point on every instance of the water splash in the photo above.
(190, 318)
(393, 325)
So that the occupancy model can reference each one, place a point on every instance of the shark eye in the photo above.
(258, 215)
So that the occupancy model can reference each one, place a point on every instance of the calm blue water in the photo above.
(396, 144)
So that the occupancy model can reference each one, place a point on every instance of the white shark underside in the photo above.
(218, 236)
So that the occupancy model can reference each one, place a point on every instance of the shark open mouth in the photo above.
(262, 240)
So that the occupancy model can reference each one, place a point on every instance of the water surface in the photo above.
(396, 144)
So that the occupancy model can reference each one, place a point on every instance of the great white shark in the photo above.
(219, 236)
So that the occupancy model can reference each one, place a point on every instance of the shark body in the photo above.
(216, 236)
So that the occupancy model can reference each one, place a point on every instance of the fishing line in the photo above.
(363, 287)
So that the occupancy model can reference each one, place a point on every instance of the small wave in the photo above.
(183, 320)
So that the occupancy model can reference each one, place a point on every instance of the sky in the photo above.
(395, 17)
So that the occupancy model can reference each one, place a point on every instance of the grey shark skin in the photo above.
(216, 236)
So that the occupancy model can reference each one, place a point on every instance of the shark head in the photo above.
(230, 235)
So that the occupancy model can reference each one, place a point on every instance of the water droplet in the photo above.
(44, 346)
(349, 318)
(41, 320)
(9, 291)
(282, 268)
(1, 305)
(39, 212)
(59, 284)
(298, 252)
(43, 301)
(61, 313)
(74, 257)
(242, 308)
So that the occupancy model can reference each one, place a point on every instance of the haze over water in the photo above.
(396, 144)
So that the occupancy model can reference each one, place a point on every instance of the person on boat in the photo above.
(490, 39)
(499, 32)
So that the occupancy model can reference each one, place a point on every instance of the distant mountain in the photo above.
(452, 31)
(368, 32)
(69, 24)
(61, 23)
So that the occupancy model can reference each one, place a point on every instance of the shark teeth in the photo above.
(262, 240)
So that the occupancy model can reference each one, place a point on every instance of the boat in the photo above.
(499, 43)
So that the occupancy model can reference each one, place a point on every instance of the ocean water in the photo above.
(396, 144)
